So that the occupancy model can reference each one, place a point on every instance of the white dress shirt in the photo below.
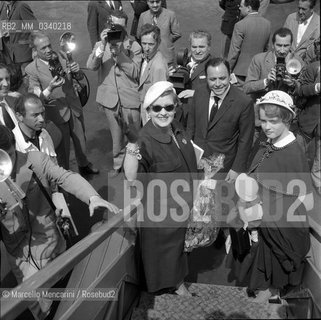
(11, 113)
(212, 101)
(302, 28)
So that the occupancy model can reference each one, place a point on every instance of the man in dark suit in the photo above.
(98, 14)
(7, 102)
(62, 105)
(308, 90)
(221, 119)
(200, 47)
(14, 46)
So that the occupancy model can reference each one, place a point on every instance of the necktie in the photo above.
(6, 117)
(214, 108)
(193, 68)
(111, 4)
(154, 20)
(8, 11)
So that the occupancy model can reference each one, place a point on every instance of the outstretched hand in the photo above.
(98, 202)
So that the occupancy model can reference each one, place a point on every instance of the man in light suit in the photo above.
(261, 75)
(221, 119)
(98, 12)
(305, 26)
(250, 36)
(31, 246)
(62, 105)
(168, 24)
(118, 63)
(154, 66)
(139, 6)
(14, 46)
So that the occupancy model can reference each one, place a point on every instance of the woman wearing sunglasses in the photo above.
(163, 160)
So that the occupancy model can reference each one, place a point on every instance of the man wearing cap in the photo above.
(118, 63)
(285, 188)
(221, 119)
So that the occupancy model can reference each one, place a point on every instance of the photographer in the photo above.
(35, 241)
(117, 59)
(267, 70)
(51, 79)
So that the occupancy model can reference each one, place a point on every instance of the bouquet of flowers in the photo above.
(203, 225)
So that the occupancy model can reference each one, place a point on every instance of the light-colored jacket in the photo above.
(311, 33)
(117, 81)
(169, 27)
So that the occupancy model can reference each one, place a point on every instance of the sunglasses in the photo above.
(169, 108)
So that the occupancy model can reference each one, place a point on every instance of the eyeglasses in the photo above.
(168, 108)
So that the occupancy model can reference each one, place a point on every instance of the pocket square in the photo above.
(202, 77)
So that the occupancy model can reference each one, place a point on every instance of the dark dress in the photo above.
(284, 240)
(162, 242)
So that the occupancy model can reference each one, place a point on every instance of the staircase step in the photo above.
(210, 302)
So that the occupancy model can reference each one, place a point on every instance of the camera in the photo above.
(55, 66)
(66, 227)
(180, 78)
(280, 68)
(115, 33)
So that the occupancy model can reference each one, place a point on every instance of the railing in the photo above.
(59, 267)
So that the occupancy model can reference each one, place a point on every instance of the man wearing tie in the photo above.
(118, 64)
(7, 116)
(98, 13)
(305, 26)
(168, 24)
(14, 46)
(154, 66)
(200, 47)
(62, 105)
(221, 119)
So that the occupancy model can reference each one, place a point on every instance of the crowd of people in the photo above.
(258, 106)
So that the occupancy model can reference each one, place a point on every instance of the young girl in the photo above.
(282, 172)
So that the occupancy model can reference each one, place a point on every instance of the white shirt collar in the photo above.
(45, 62)
(284, 141)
